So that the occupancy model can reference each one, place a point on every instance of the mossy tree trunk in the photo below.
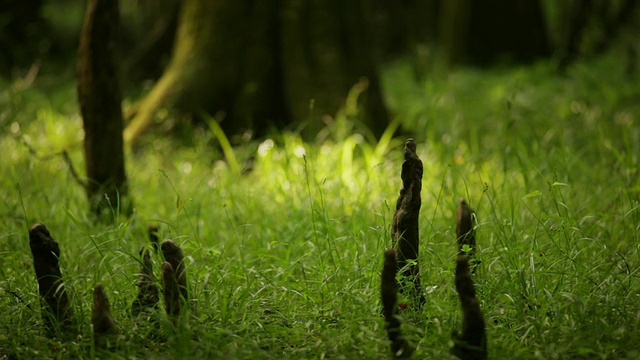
(100, 104)
(222, 63)
(254, 64)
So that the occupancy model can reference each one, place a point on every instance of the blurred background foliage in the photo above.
(303, 60)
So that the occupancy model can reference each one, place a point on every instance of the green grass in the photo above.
(284, 261)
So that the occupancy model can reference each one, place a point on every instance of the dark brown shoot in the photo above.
(148, 297)
(56, 312)
(171, 291)
(400, 347)
(464, 228)
(154, 239)
(173, 254)
(404, 231)
(103, 323)
(471, 344)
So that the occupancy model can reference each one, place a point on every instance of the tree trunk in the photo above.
(223, 62)
(22, 34)
(327, 49)
(149, 53)
(100, 104)
(255, 64)
(493, 31)
(576, 21)
(607, 18)
(454, 31)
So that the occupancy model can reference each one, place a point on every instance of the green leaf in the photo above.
(224, 143)
(559, 184)
(532, 194)
(181, 203)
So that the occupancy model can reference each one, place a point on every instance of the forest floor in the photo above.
(284, 259)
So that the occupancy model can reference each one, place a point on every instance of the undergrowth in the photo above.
(284, 258)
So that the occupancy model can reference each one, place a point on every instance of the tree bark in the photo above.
(223, 63)
(100, 105)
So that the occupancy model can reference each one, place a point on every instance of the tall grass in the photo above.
(284, 260)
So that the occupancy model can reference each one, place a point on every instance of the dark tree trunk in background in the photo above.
(400, 26)
(624, 16)
(591, 27)
(225, 62)
(454, 31)
(327, 49)
(147, 54)
(254, 64)
(406, 29)
(493, 31)
(100, 104)
(577, 18)
(22, 31)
